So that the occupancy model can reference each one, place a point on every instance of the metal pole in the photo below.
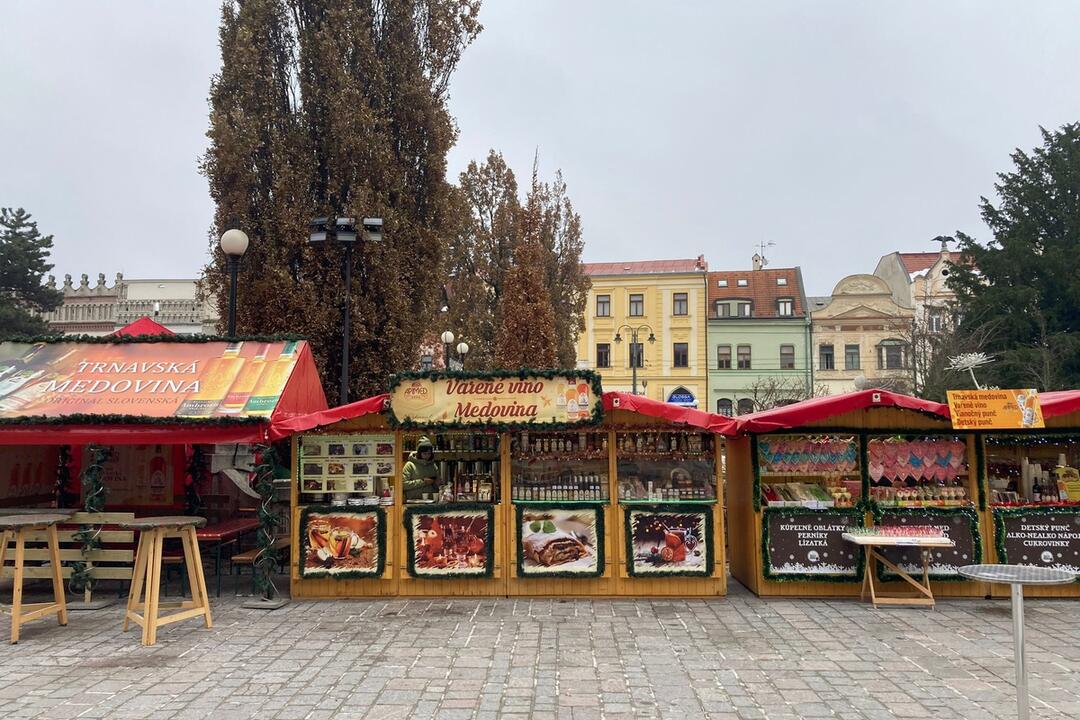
(347, 273)
(234, 266)
(1022, 709)
(633, 365)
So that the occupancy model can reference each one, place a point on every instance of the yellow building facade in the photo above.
(662, 298)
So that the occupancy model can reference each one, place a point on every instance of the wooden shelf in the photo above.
(711, 501)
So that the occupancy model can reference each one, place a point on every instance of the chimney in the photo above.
(701, 264)
(759, 261)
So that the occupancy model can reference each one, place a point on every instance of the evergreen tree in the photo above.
(338, 109)
(1023, 282)
(24, 260)
(527, 326)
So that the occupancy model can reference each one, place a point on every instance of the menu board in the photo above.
(560, 541)
(957, 525)
(668, 540)
(341, 544)
(359, 463)
(809, 544)
(1046, 537)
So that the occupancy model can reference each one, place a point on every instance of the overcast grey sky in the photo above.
(837, 130)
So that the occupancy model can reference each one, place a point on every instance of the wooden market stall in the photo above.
(802, 475)
(145, 412)
(582, 494)
(1033, 485)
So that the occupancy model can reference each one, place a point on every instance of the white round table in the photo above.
(1017, 576)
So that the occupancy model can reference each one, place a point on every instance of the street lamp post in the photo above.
(463, 350)
(447, 340)
(634, 343)
(234, 243)
(343, 231)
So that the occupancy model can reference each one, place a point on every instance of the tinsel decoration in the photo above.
(99, 420)
(197, 469)
(520, 374)
(65, 497)
(89, 535)
(268, 522)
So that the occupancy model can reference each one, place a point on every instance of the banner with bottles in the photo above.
(143, 475)
(160, 379)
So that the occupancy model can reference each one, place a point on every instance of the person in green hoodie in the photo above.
(421, 472)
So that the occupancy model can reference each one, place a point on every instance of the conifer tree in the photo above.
(24, 260)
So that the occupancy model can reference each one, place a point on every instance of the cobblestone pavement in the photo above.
(738, 657)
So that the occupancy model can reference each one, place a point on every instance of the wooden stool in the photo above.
(15, 527)
(147, 578)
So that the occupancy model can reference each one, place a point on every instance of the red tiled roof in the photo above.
(918, 262)
(646, 267)
(761, 289)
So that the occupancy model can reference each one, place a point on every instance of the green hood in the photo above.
(414, 457)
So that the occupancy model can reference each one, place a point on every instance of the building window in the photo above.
(787, 357)
(721, 283)
(937, 321)
(785, 307)
(743, 357)
(851, 357)
(781, 281)
(637, 305)
(723, 407)
(826, 358)
(637, 355)
(891, 355)
(743, 282)
(723, 309)
(746, 406)
(603, 306)
(679, 304)
(745, 309)
(427, 362)
(682, 355)
(603, 355)
(723, 357)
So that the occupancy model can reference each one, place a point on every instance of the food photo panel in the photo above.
(560, 541)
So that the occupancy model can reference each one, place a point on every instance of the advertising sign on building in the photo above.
(507, 400)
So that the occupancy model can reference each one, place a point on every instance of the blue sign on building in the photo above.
(682, 396)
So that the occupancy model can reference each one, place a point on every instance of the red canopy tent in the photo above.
(143, 326)
(74, 393)
(719, 424)
(808, 411)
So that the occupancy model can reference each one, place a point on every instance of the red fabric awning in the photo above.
(1059, 402)
(718, 424)
(128, 434)
(144, 326)
(822, 408)
(290, 426)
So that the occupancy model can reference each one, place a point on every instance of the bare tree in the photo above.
(774, 391)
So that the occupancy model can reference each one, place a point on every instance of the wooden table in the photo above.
(870, 545)
(220, 534)
(16, 527)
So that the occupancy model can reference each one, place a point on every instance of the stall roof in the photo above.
(1059, 402)
(718, 424)
(822, 408)
(322, 418)
(153, 389)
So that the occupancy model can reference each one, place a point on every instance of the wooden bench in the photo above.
(103, 563)
(249, 557)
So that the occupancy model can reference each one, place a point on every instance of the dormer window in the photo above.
(781, 281)
(785, 307)
(745, 309)
(721, 283)
(742, 282)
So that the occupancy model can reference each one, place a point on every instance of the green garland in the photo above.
(973, 524)
(90, 419)
(197, 469)
(65, 497)
(1042, 436)
(598, 526)
(265, 561)
(521, 374)
(766, 565)
(90, 535)
(980, 468)
(1008, 512)
(145, 339)
(706, 542)
(380, 535)
(410, 541)
(863, 443)
(756, 464)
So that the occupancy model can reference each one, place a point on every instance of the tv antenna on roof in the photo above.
(761, 251)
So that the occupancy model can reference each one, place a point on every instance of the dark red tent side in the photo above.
(143, 326)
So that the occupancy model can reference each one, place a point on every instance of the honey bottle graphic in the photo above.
(264, 397)
(214, 382)
(245, 384)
